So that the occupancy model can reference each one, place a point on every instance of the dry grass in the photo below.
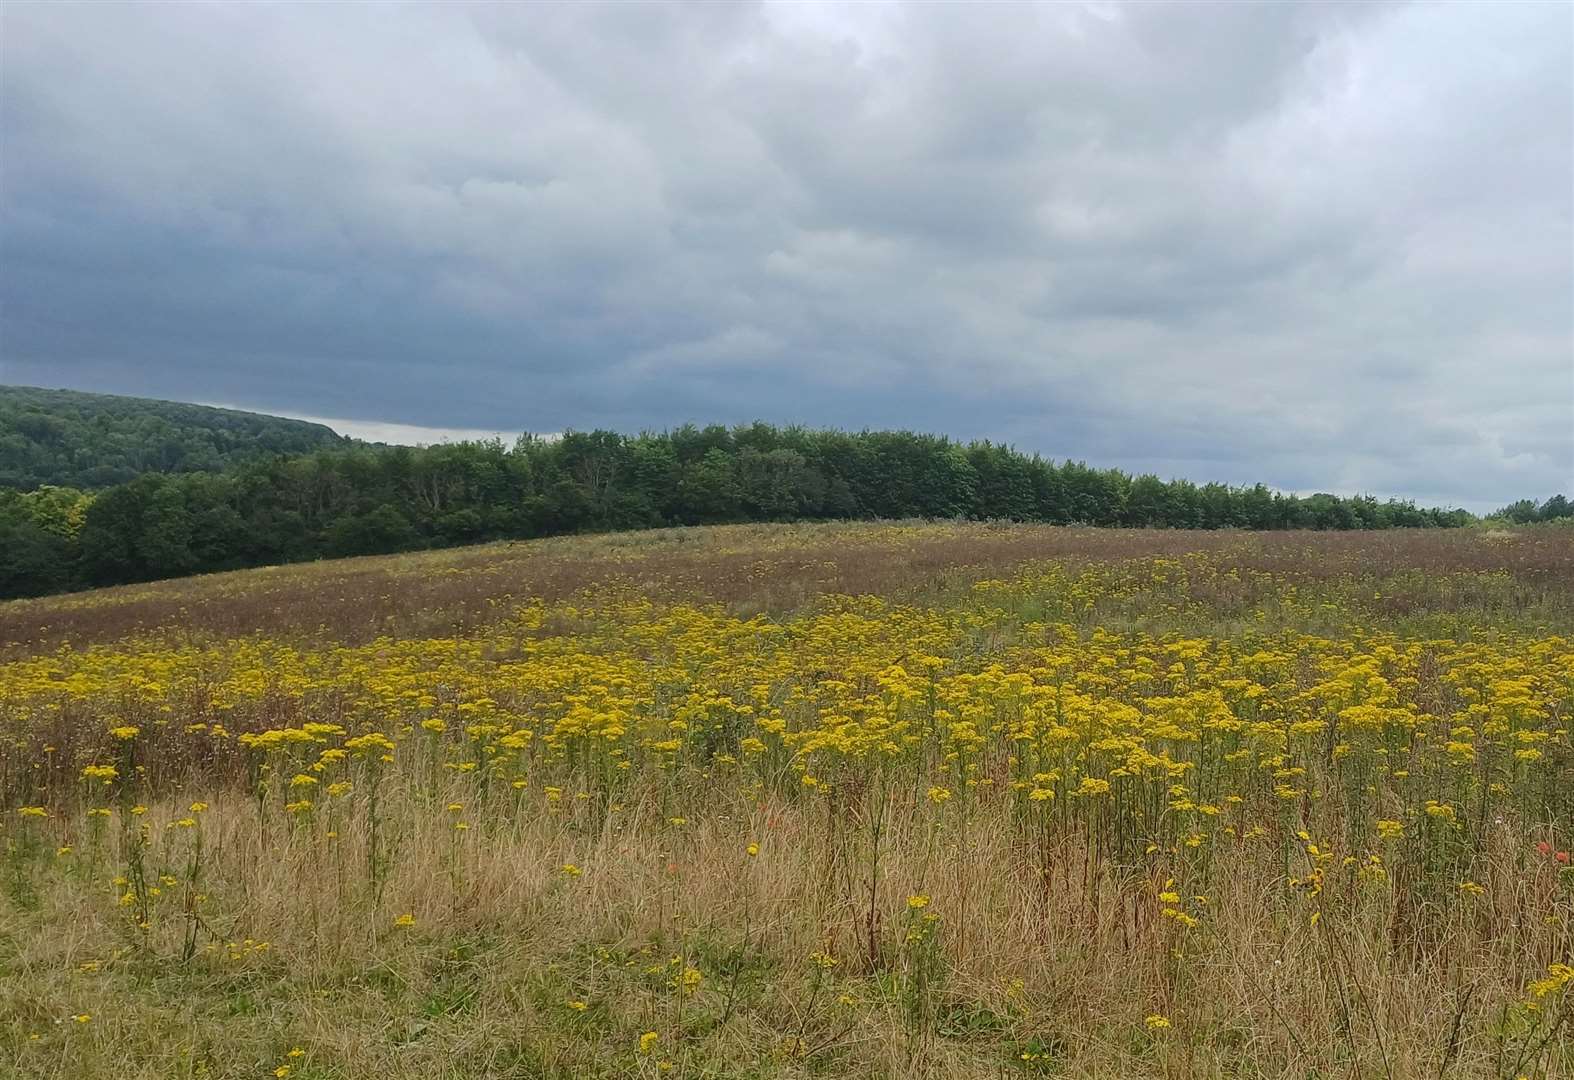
(504, 940)
(778, 568)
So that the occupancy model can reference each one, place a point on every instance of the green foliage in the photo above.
(1526, 512)
(39, 539)
(352, 498)
(67, 438)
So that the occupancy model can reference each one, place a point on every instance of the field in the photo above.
(792, 801)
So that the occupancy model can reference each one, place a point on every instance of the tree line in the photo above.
(71, 439)
(1529, 512)
(363, 499)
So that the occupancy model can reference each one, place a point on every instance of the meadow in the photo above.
(858, 800)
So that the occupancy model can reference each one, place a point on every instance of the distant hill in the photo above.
(71, 439)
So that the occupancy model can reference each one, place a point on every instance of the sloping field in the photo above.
(778, 801)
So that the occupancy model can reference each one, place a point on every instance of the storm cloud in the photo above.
(1324, 246)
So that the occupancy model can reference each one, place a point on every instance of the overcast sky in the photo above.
(1326, 247)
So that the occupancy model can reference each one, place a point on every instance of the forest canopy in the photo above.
(71, 439)
(350, 498)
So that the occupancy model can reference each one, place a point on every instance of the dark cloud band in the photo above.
(1314, 245)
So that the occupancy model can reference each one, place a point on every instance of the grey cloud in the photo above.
(1317, 245)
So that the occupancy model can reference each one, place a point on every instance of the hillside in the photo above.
(71, 439)
(778, 568)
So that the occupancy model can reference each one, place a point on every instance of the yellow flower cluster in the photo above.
(1145, 743)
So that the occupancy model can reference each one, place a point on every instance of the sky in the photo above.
(1325, 246)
